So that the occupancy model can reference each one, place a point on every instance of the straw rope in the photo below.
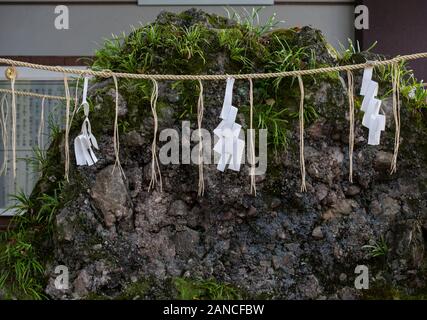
(296, 73)
(156, 176)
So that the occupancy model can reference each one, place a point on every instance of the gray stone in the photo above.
(352, 190)
(345, 206)
(318, 233)
(275, 203)
(186, 242)
(110, 195)
(82, 284)
(133, 139)
(383, 160)
(321, 192)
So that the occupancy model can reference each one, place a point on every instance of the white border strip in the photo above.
(204, 2)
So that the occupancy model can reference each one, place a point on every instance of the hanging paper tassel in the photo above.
(200, 110)
(229, 146)
(350, 85)
(396, 114)
(371, 106)
(156, 175)
(84, 142)
(252, 137)
(301, 134)
(4, 112)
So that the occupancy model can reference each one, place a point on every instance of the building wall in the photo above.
(27, 29)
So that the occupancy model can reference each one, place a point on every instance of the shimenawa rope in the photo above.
(295, 73)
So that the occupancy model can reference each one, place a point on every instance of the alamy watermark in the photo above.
(361, 22)
(362, 280)
(62, 280)
(182, 147)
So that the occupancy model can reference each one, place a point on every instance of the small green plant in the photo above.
(109, 55)
(310, 113)
(415, 93)
(205, 289)
(286, 58)
(232, 40)
(377, 249)
(275, 121)
(250, 21)
(55, 130)
(38, 161)
(21, 269)
(19, 265)
(345, 54)
(188, 42)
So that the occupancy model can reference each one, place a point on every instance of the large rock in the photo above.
(281, 243)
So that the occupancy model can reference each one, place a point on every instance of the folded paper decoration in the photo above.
(372, 120)
(84, 142)
(229, 146)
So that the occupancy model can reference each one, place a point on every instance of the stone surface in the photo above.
(317, 233)
(111, 195)
(280, 243)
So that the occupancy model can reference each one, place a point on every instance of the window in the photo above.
(27, 126)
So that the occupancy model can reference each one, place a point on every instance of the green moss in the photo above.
(205, 289)
(393, 293)
(136, 290)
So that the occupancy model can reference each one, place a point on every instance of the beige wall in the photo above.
(28, 29)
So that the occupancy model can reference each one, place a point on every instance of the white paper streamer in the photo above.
(371, 106)
(84, 142)
(229, 146)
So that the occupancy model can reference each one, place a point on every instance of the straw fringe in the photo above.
(200, 111)
(40, 139)
(156, 175)
(4, 113)
(12, 85)
(252, 137)
(67, 128)
(350, 80)
(396, 114)
(116, 138)
(301, 134)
